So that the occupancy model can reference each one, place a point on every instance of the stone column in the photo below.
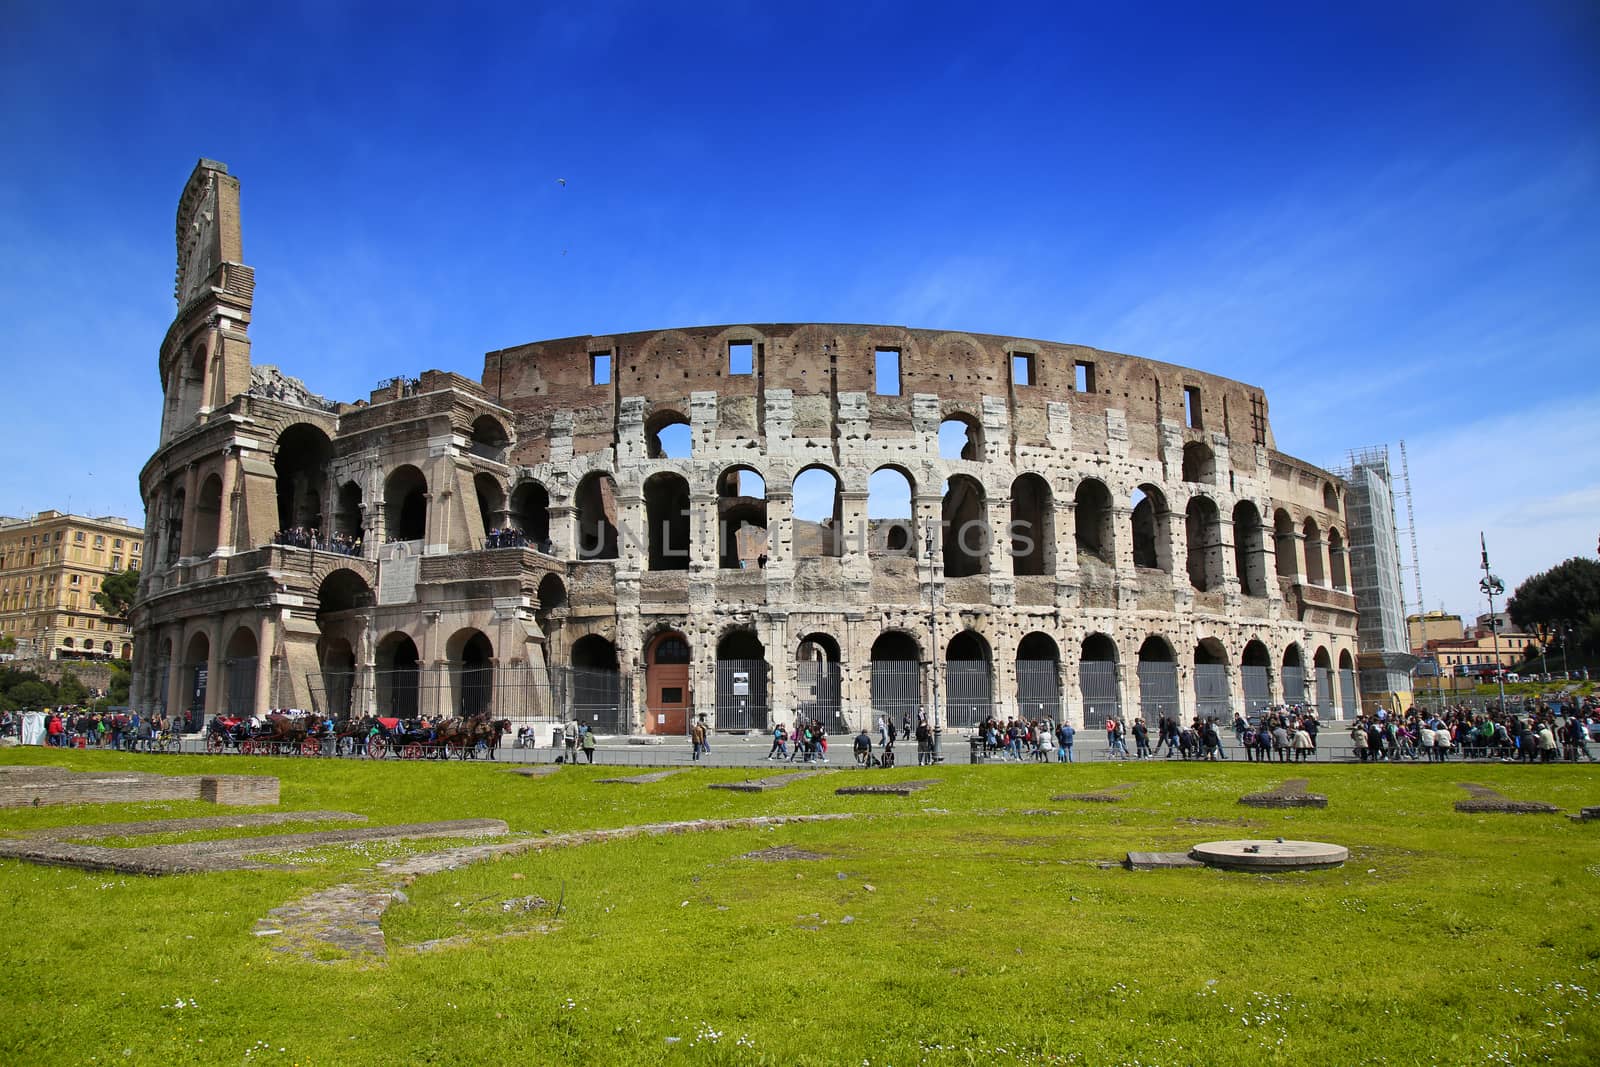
(266, 642)
(229, 520)
(214, 681)
(190, 491)
(705, 533)
(563, 543)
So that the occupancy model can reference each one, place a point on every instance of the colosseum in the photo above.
(745, 523)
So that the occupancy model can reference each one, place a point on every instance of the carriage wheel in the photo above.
(411, 751)
(247, 748)
(214, 745)
(310, 747)
(480, 750)
(376, 749)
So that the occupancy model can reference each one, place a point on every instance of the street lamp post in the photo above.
(1493, 587)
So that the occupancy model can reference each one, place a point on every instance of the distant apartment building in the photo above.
(51, 566)
(1433, 626)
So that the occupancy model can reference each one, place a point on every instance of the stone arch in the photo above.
(1347, 685)
(1283, 545)
(530, 513)
(1294, 674)
(1213, 697)
(491, 501)
(1338, 566)
(1199, 463)
(1315, 553)
(1248, 549)
(594, 689)
(405, 502)
(398, 676)
(489, 439)
(668, 434)
(1158, 679)
(965, 532)
(969, 679)
(1152, 544)
(1033, 526)
(1093, 522)
(471, 658)
(818, 512)
(741, 518)
(741, 692)
(1204, 526)
(595, 501)
(1099, 685)
(347, 518)
(960, 437)
(208, 516)
(300, 462)
(1255, 671)
(1330, 497)
(342, 590)
(240, 661)
(1039, 677)
(891, 511)
(1322, 669)
(666, 506)
(896, 674)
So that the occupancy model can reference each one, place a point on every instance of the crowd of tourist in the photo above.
(77, 727)
(510, 538)
(1536, 734)
(301, 537)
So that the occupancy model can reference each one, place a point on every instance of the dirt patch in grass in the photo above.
(782, 853)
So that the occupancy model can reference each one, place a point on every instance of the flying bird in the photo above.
(561, 181)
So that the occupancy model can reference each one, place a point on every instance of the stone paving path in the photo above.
(348, 918)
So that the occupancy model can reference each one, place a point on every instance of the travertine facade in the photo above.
(1112, 531)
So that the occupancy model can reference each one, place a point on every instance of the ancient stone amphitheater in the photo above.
(743, 522)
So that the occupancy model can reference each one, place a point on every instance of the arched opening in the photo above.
(338, 662)
(1323, 665)
(1158, 680)
(965, 536)
(239, 664)
(1249, 559)
(889, 512)
(667, 694)
(818, 514)
(126, 651)
(1033, 526)
(196, 678)
(492, 507)
(896, 675)
(175, 516)
(593, 689)
(347, 519)
(969, 681)
(1039, 677)
(1330, 497)
(398, 677)
(1316, 551)
(1098, 686)
(301, 465)
(530, 514)
(1092, 521)
(741, 682)
(1152, 545)
(1203, 524)
(1294, 676)
(596, 504)
(1213, 697)
(666, 508)
(960, 437)
(1338, 568)
(818, 681)
(1199, 463)
(208, 516)
(552, 609)
(1255, 671)
(471, 657)
(1347, 686)
(741, 519)
(343, 590)
(668, 436)
(1283, 545)
(405, 504)
(489, 439)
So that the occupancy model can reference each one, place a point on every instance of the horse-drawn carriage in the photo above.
(277, 735)
(475, 737)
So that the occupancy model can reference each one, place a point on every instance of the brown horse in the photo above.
(488, 731)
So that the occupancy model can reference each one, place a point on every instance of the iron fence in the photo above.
(741, 694)
(1212, 696)
(1158, 690)
(1100, 690)
(1257, 689)
(1039, 689)
(1347, 693)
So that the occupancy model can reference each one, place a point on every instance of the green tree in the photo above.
(71, 690)
(117, 592)
(1566, 594)
(7, 643)
(32, 695)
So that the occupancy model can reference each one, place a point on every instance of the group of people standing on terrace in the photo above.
(507, 537)
(301, 537)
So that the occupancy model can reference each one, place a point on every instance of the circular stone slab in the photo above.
(1270, 855)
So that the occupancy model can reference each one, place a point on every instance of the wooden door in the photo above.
(667, 685)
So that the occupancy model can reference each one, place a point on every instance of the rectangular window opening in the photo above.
(599, 368)
(1022, 368)
(1084, 377)
(741, 357)
(671, 695)
(887, 361)
(1191, 407)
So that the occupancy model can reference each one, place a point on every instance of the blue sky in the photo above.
(1387, 215)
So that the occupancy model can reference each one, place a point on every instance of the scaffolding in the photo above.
(1375, 572)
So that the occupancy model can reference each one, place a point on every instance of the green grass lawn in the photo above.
(974, 922)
